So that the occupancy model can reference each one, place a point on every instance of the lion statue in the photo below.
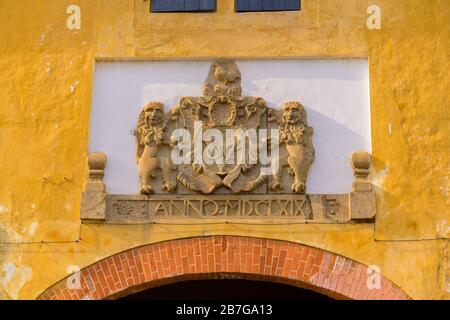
(298, 152)
(150, 136)
(296, 135)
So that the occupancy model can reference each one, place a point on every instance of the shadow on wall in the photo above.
(328, 155)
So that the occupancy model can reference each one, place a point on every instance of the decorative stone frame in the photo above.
(241, 192)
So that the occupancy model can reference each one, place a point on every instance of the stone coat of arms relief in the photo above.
(188, 169)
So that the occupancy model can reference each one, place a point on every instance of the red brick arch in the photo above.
(221, 257)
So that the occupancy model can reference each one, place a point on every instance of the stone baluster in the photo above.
(361, 162)
(93, 200)
(362, 197)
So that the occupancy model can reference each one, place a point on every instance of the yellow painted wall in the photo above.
(46, 76)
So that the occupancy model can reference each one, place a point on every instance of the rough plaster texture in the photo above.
(46, 77)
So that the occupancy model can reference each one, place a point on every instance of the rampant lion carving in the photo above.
(150, 136)
(298, 154)
(296, 136)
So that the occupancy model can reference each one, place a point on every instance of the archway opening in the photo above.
(226, 289)
(231, 257)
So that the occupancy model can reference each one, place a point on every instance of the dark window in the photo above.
(267, 5)
(182, 5)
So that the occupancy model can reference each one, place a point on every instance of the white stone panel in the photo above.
(335, 93)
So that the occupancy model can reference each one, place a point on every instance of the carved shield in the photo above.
(229, 116)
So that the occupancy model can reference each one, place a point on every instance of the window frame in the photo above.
(214, 8)
(297, 8)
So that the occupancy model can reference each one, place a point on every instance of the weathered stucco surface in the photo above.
(46, 75)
